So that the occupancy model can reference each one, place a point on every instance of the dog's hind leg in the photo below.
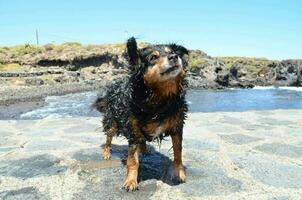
(109, 135)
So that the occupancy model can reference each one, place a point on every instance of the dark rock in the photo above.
(289, 73)
(234, 72)
(52, 62)
(223, 79)
(34, 81)
(65, 78)
(20, 74)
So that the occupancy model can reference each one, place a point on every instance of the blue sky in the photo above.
(251, 28)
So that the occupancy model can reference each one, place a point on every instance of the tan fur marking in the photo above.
(106, 153)
(163, 88)
(168, 50)
(110, 134)
(177, 163)
(156, 53)
(169, 124)
(132, 168)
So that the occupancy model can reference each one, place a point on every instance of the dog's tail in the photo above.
(100, 104)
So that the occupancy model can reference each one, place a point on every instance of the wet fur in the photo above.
(140, 105)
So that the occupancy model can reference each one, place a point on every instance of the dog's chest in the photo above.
(156, 129)
(157, 132)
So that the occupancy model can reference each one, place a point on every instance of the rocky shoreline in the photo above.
(30, 73)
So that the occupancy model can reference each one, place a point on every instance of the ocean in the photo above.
(231, 100)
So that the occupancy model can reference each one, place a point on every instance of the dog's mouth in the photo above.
(171, 69)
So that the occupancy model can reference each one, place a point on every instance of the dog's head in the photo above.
(162, 66)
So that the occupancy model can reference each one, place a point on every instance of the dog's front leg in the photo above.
(132, 167)
(178, 167)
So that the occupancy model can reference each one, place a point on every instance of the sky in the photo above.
(249, 28)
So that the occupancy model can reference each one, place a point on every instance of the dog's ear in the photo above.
(182, 52)
(132, 52)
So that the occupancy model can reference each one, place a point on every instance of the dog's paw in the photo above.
(182, 175)
(179, 171)
(106, 153)
(130, 184)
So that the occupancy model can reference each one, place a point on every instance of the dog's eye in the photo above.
(153, 57)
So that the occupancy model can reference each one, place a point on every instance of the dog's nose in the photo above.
(173, 57)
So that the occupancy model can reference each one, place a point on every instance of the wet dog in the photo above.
(148, 104)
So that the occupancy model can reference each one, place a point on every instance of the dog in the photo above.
(147, 104)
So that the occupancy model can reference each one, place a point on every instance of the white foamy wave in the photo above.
(281, 88)
(64, 106)
(292, 88)
(264, 87)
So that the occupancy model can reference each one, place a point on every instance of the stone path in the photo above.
(247, 155)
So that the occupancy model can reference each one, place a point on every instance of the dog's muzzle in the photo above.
(172, 65)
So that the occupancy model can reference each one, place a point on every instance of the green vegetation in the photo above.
(197, 60)
(49, 47)
(25, 49)
(120, 46)
(195, 65)
(72, 44)
(3, 50)
(9, 67)
(29, 54)
(252, 66)
(253, 63)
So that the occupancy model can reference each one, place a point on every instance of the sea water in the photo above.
(231, 100)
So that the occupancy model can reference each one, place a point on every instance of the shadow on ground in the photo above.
(154, 165)
(110, 174)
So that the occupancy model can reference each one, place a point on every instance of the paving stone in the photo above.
(281, 149)
(7, 149)
(4, 133)
(39, 132)
(40, 165)
(253, 127)
(100, 190)
(77, 165)
(82, 129)
(8, 141)
(239, 139)
(272, 121)
(87, 139)
(201, 182)
(232, 120)
(221, 129)
(93, 154)
(269, 171)
(27, 193)
(48, 145)
(296, 132)
(281, 198)
(204, 144)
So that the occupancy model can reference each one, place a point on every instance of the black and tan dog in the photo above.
(148, 104)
